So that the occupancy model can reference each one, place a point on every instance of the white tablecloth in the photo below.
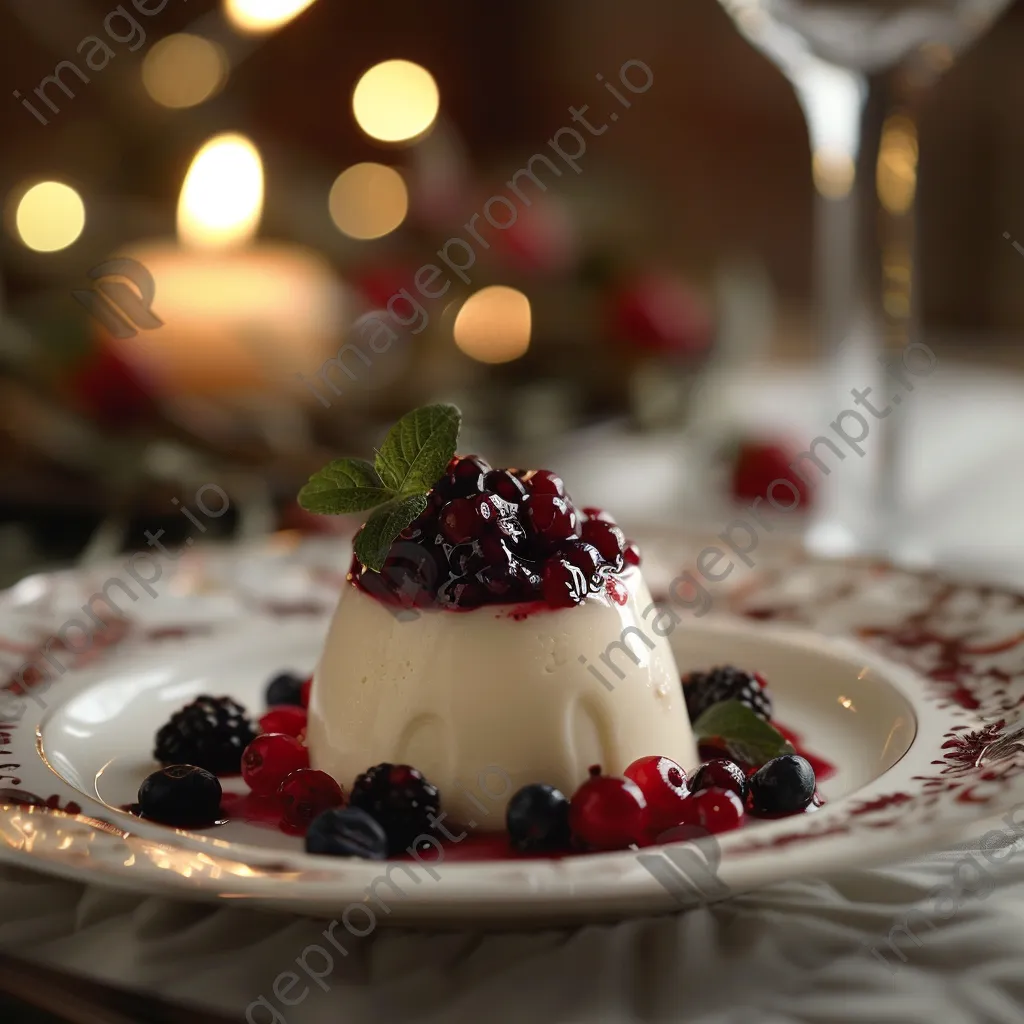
(800, 952)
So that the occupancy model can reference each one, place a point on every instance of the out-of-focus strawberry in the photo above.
(758, 464)
(659, 313)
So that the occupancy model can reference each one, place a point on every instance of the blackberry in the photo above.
(211, 733)
(400, 799)
(702, 689)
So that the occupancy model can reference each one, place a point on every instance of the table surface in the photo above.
(815, 951)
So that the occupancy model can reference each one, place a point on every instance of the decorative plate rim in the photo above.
(957, 646)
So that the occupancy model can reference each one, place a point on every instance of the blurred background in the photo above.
(640, 314)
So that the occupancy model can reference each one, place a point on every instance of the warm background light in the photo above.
(395, 101)
(50, 216)
(897, 164)
(493, 325)
(222, 198)
(263, 15)
(183, 70)
(243, 321)
(368, 200)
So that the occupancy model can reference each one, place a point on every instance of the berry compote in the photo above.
(499, 536)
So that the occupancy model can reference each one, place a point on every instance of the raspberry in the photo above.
(702, 689)
(400, 799)
(210, 733)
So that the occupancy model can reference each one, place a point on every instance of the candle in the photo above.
(237, 316)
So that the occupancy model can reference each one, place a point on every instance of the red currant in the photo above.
(564, 585)
(305, 793)
(288, 719)
(505, 485)
(553, 519)
(663, 784)
(269, 759)
(585, 557)
(543, 481)
(631, 553)
(718, 810)
(606, 537)
(607, 813)
(462, 519)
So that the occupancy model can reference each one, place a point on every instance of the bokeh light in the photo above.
(493, 325)
(263, 15)
(50, 216)
(395, 101)
(897, 164)
(368, 200)
(183, 70)
(222, 198)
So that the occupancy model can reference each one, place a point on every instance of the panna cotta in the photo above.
(499, 696)
(507, 638)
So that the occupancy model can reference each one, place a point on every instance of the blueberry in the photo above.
(181, 795)
(537, 818)
(347, 832)
(783, 785)
(285, 688)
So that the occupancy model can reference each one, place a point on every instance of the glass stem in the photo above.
(864, 143)
(888, 196)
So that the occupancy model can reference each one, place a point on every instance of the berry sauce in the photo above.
(501, 537)
(267, 812)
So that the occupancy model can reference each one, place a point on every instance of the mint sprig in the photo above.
(344, 485)
(418, 447)
(410, 461)
(746, 736)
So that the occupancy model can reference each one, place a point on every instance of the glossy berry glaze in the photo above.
(500, 536)
(473, 844)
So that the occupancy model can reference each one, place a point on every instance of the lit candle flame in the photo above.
(263, 15)
(222, 198)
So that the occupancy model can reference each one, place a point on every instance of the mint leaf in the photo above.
(747, 737)
(344, 485)
(418, 448)
(379, 531)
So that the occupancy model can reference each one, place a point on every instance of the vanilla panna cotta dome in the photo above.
(488, 700)
(509, 638)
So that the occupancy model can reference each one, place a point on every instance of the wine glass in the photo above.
(860, 69)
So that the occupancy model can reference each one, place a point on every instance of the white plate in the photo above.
(905, 682)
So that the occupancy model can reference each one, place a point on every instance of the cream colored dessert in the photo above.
(492, 699)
